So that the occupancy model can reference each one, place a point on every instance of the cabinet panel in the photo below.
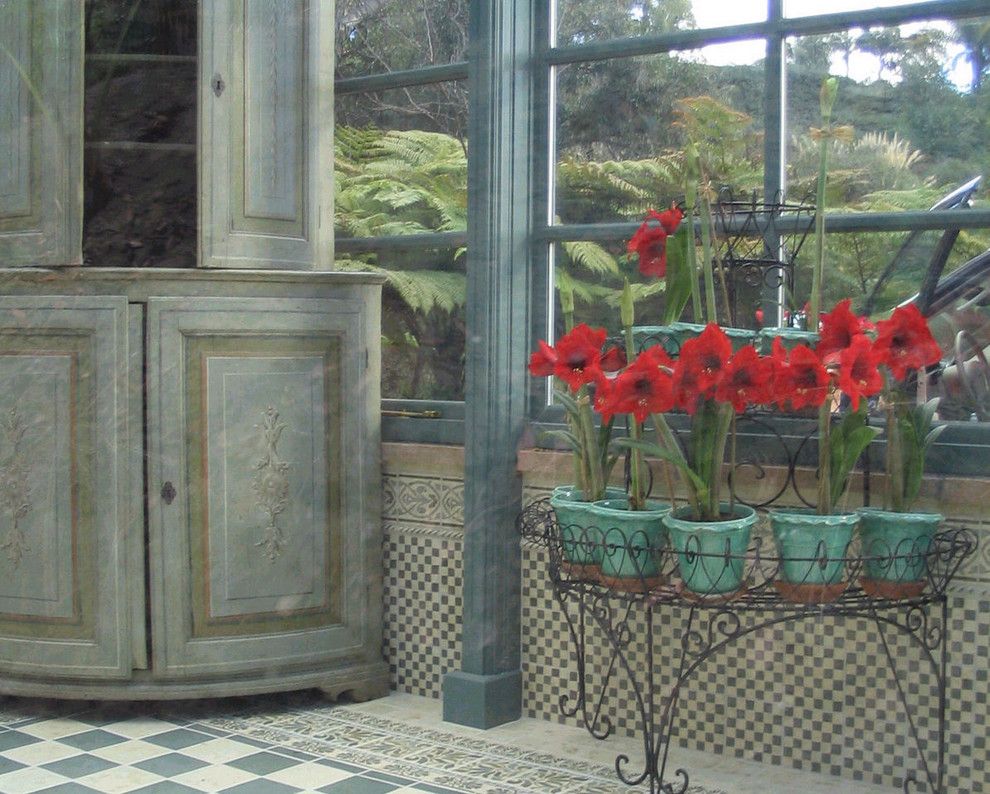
(259, 417)
(40, 124)
(64, 487)
(267, 103)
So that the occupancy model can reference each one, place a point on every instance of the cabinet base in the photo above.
(359, 682)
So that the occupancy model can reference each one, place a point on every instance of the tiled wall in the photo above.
(816, 695)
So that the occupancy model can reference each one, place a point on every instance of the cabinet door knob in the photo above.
(168, 492)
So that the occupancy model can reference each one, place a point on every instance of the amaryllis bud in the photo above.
(627, 310)
(826, 97)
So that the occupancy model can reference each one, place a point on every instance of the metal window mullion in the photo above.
(774, 129)
(401, 242)
(902, 221)
(385, 81)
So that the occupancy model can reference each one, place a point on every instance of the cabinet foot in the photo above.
(355, 693)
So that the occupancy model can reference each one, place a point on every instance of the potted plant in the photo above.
(813, 544)
(711, 383)
(577, 361)
(633, 535)
(897, 540)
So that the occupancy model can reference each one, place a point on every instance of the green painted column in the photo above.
(487, 690)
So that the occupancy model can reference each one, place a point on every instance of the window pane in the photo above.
(622, 125)
(401, 164)
(880, 270)
(579, 21)
(399, 34)
(422, 321)
(912, 96)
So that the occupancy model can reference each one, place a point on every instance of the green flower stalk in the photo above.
(695, 172)
(691, 199)
(826, 100)
(627, 315)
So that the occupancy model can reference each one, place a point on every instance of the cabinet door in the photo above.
(40, 133)
(266, 98)
(65, 487)
(264, 485)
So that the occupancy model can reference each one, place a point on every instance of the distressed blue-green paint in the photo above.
(488, 688)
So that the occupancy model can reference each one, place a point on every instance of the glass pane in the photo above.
(148, 26)
(913, 99)
(622, 125)
(422, 321)
(398, 34)
(401, 161)
(148, 102)
(140, 208)
(140, 105)
(880, 270)
(580, 21)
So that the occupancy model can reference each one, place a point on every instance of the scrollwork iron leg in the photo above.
(598, 725)
(931, 639)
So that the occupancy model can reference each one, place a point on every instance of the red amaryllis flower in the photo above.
(603, 402)
(579, 355)
(838, 328)
(650, 241)
(858, 373)
(543, 362)
(904, 342)
(803, 381)
(643, 388)
(746, 380)
(700, 365)
(613, 359)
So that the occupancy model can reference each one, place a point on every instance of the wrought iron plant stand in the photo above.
(716, 620)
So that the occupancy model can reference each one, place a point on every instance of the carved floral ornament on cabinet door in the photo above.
(271, 485)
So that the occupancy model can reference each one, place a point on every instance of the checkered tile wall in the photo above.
(816, 695)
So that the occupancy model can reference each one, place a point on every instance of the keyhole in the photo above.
(218, 84)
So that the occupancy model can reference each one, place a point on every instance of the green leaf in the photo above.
(564, 435)
(678, 275)
(655, 450)
(569, 403)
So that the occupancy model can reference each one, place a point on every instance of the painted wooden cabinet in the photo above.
(189, 482)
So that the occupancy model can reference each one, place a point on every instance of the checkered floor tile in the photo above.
(275, 744)
(135, 749)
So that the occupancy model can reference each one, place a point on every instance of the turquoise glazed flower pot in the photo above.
(791, 338)
(711, 555)
(632, 543)
(895, 550)
(580, 536)
(813, 551)
(672, 337)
